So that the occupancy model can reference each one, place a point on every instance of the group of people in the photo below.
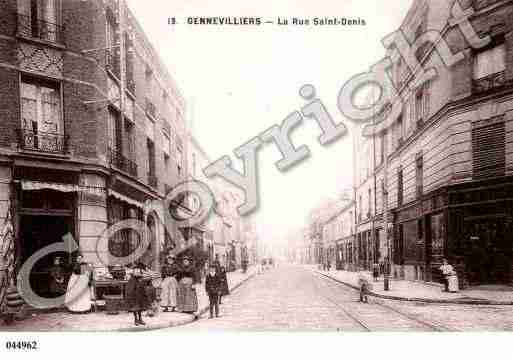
(178, 292)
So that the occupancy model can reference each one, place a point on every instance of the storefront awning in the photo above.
(126, 199)
(60, 187)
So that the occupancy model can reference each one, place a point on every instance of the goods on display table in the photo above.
(110, 287)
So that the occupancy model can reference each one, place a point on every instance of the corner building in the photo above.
(449, 183)
(92, 126)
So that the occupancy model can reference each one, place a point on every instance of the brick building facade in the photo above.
(92, 126)
(444, 169)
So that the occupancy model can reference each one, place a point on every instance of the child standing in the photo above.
(213, 288)
(136, 294)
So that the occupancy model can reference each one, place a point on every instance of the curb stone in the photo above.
(421, 300)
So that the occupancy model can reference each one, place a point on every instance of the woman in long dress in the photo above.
(78, 293)
(187, 298)
(225, 290)
(168, 296)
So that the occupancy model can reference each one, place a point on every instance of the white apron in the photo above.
(453, 283)
(78, 295)
(168, 296)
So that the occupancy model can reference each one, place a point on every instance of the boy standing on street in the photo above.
(213, 287)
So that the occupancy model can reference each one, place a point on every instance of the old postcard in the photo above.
(181, 166)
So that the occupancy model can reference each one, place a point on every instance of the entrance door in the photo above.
(38, 232)
(489, 255)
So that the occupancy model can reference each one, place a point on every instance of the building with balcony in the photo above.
(443, 172)
(92, 127)
(225, 235)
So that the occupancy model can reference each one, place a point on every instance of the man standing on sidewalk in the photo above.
(213, 288)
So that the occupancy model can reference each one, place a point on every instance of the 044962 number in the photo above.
(21, 345)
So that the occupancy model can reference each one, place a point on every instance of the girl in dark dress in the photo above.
(136, 294)
(224, 283)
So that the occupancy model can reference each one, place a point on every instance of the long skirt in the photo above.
(168, 296)
(78, 294)
(187, 297)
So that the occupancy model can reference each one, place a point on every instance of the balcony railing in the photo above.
(489, 82)
(153, 180)
(29, 26)
(122, 163)
(130, 85)
(43, 142)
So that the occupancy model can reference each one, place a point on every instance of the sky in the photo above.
(238, 81)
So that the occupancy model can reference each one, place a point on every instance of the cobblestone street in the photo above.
(292, 298)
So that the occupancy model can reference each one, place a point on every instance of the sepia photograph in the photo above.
(190, 168)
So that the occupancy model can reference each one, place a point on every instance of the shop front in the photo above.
(45, 212)
(409, 244)
(480, 232)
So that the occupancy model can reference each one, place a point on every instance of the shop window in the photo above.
(124, 242)
(437, 235)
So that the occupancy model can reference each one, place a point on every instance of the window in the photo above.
(419, 174)
(152, 179)
(383, 196)
(399, 129)
(490, 62)
(130, 136)
(115, 133)
(400, 187)
(112, 41)
(39, 19)
(360, 202)
(422, 99)
(489, 149)
(41, 117)
(179, 156)
(166, 146)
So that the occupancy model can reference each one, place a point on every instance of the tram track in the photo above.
(365, 313)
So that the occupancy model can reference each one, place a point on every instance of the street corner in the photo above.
(96, 322)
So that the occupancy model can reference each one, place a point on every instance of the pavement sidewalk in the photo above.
(423, 292)
(101, 321)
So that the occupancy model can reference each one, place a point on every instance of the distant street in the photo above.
(292, 298)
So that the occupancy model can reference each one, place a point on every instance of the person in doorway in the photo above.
(213, 288)
(136, 294)
(78, 293)
(169, 285)
(447, 270)
(58, 276)
(224, 290)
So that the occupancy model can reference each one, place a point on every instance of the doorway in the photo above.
(488, 251)
(36, 233)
